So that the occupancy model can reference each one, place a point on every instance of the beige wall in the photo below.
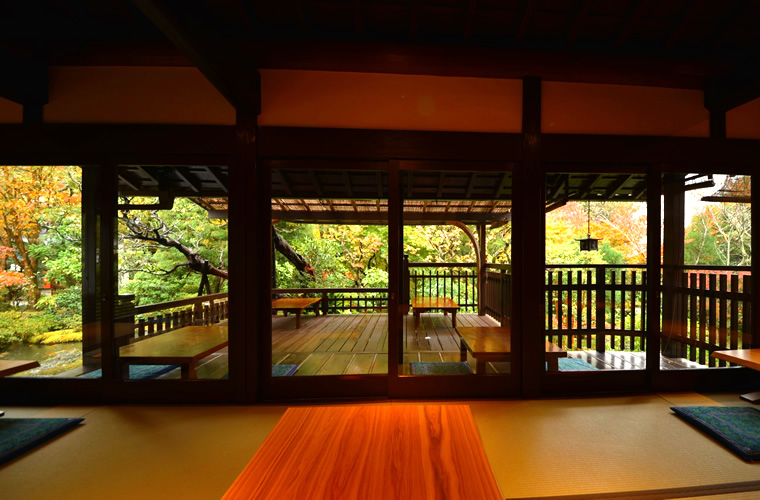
(10, 112)
(399, 102)
(134, 95)
(181, 95)
(744, 122)
(580, 108)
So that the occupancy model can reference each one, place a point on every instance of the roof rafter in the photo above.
(217, 58)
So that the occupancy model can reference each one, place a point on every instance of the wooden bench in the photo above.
(744, 357)
(11, 366)
(184, 346)
(494, 343)
(424, 304)
(296, 306)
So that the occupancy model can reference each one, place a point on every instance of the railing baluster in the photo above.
(723, 312)
(734, 340)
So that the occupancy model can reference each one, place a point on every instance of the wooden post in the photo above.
(673, 315)
(404, 300)
(482, 270)
(601, 299)
(529, 234)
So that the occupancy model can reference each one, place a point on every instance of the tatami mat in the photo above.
(576, 447)
(539, 448)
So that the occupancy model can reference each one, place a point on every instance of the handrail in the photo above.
(160, 306)
(328, 290)
(442, 264)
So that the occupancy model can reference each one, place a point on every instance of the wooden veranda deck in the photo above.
(350, 344)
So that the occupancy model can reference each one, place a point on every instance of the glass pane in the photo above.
(330, 272)
(171, 307)
(48, 298)
(457, 273)
(706, 273)
(596, 253)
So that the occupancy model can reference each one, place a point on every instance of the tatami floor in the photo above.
(616, 447)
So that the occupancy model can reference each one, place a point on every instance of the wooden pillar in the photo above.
(395, 270)
(717, 124)
(250, 347)
(673, 319)
(90, 283)
(482, 270)
(528, 228)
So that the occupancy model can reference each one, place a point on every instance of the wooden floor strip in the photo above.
(370, 452)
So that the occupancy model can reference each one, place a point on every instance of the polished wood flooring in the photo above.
(354, 344)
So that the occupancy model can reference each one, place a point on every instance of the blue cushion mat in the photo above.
(736, 427)
(440, 368)
(19, 435)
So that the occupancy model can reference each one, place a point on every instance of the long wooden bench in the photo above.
(494, 344)
(184, 346)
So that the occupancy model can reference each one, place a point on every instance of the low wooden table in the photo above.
(370, 452)
(296, 306)
(11, 366)
(744, 357)
(184, 346)
(424, 304)
(493, 344)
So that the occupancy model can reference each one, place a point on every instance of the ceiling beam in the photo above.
(578, 22)
(729, 92)
(684, 18)
(357, 10)
(220, 60)
(411, 218)
(367, 56)
(526, 11)
(469, 18)
(727, 23)
(630, 21)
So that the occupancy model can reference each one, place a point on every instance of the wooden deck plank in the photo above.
(361, 343)
(431, 357)
(353, 334)
(335, 340)
(360, 364)
(379, 336)
(313, 364)
(336, 364)
(381, 364)
(368, 334)
(324, 338)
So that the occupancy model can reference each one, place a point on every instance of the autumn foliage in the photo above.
(28, 200)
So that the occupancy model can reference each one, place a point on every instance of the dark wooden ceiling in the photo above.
(672, 43)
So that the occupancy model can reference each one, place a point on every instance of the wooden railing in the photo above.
(155, 319)
(596, 306)
(457, 281)
(340, 300)
(498, 293)
(712, 311)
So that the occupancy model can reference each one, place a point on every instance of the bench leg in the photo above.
(416, 319)
(480, 366)
(187, 371)
(298, 320)
(454, 319)
(462, 350)
(553, 364)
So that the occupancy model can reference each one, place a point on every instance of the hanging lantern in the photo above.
(589, 244)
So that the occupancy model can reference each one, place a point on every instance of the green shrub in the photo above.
(16, 326)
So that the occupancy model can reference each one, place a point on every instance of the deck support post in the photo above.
(482, 270)
(673, 319)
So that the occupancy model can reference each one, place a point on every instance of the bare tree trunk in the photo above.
(294, 257)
